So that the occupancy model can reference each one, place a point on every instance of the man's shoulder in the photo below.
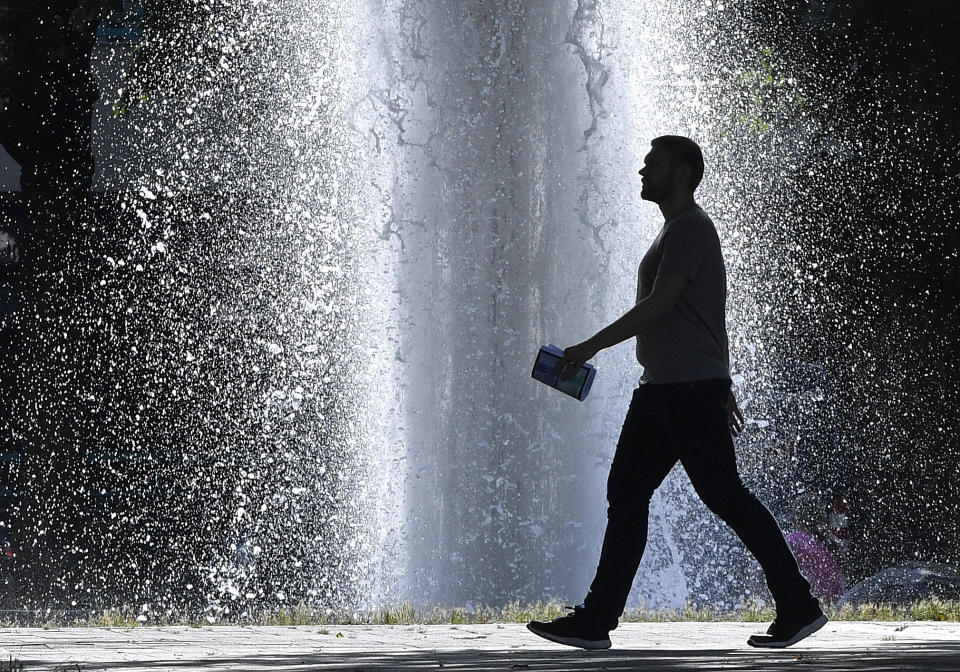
(696, 216)
(693, 222)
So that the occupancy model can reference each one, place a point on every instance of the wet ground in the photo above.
(636, 646)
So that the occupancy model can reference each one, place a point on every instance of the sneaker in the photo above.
(786, 631)
(575, 629)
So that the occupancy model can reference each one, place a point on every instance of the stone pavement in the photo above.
(637, 646)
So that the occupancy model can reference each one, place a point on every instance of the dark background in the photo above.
(878, 220)
(876, 303)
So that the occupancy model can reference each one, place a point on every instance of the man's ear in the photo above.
(681, 173)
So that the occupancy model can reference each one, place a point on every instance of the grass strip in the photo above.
(516, 612)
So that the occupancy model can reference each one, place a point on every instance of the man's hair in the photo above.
(684, 151)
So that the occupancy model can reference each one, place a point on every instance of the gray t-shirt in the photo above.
(689, 342)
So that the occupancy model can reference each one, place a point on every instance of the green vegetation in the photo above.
(925, 610)
(762, 96)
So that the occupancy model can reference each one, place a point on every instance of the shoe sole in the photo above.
(768, 642)
(572, 641)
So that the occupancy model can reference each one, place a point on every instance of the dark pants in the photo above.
(686, 422)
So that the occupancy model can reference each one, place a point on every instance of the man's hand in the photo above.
(734, 416)
(573, 358)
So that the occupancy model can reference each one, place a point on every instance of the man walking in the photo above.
(683, 410)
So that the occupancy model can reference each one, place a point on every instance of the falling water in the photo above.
(514, 135)
(350, 227)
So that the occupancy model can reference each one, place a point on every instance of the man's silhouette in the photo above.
(683, 410)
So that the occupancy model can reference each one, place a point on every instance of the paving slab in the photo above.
(636, 646)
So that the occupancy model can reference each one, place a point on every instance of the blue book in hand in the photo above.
(576, 386)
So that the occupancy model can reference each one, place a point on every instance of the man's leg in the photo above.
(708, 456)
(640, 463)
(642, 460)
(710, 461)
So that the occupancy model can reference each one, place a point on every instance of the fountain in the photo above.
(343, 233)
(347, 233)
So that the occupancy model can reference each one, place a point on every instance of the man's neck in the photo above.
(674, 205)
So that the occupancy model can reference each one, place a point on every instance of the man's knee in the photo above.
(627, 500)
(728, 503)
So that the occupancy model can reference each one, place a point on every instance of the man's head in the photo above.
(673, 167)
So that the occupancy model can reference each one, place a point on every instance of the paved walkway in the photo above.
(637, 646)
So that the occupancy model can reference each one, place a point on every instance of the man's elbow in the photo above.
(649, 311)
(660, 306)
(661, 303)
(666, 292)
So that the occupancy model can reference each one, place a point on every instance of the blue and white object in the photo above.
(577, 386)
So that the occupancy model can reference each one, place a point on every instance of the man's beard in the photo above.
(650, 193)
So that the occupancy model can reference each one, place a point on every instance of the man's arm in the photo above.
(661, 300)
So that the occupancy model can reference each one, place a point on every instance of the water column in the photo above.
(483, 204)
(509, 135)
(505, 238)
